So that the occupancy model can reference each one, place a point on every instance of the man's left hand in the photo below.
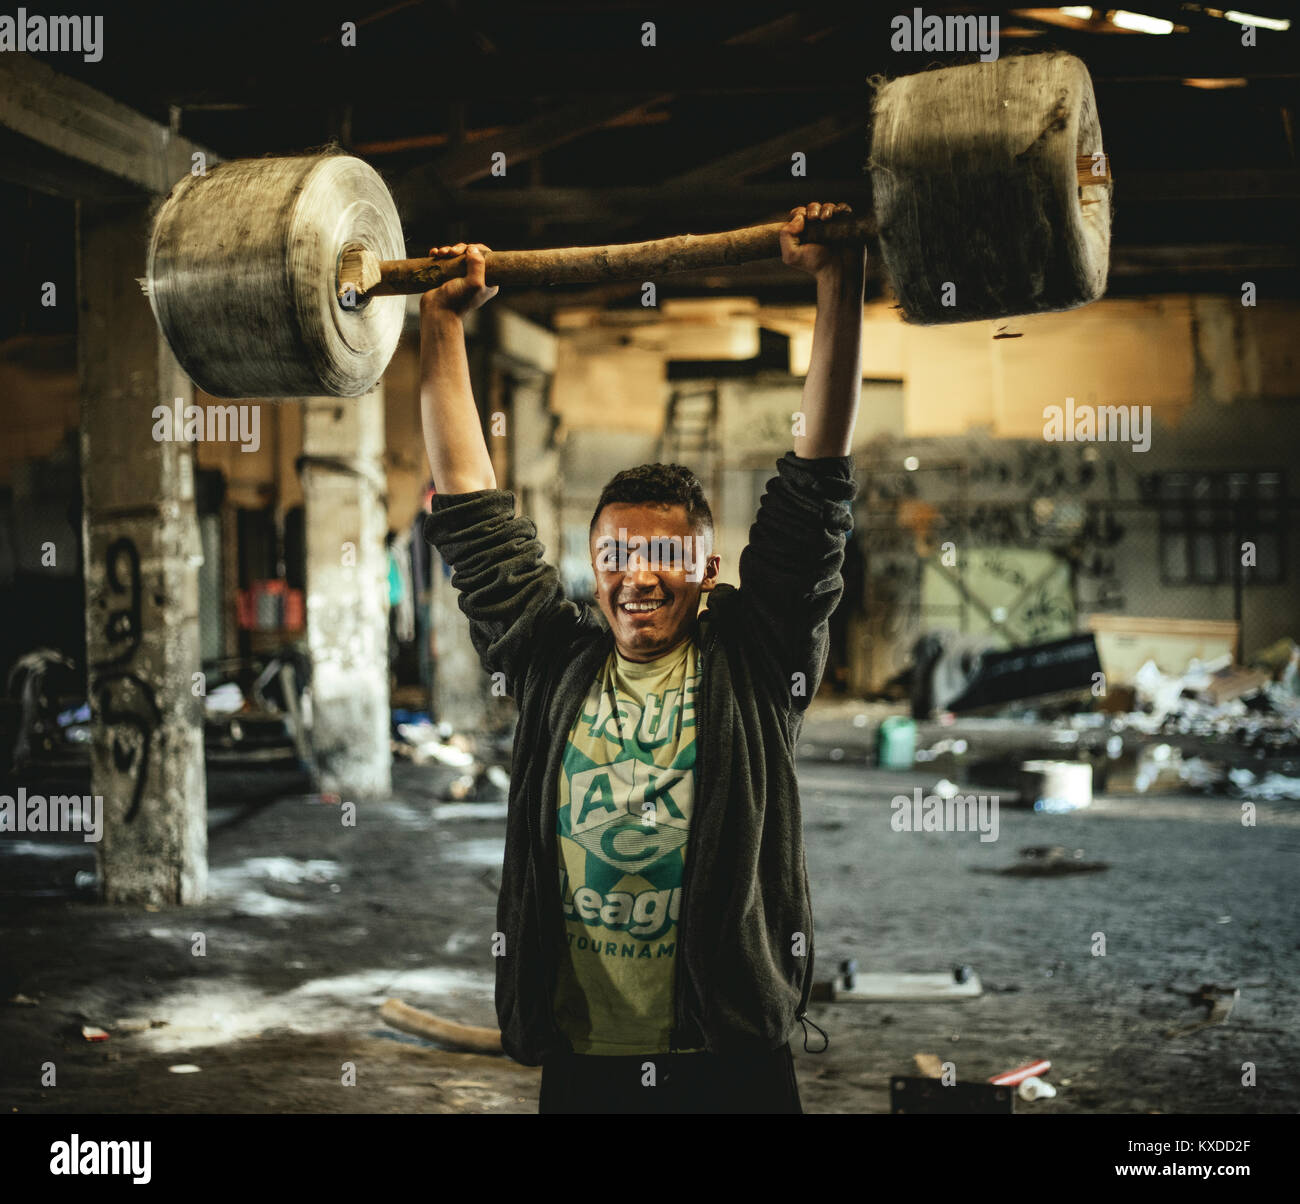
(816, 258)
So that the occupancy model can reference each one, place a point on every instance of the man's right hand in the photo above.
(465, 293)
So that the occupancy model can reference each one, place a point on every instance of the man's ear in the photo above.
(712, 565)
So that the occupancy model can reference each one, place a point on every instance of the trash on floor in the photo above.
(1034, 671)
(1046, 861)
(1218, 1002)
(225, 699)
(1034, 1088)
(929, 1065)
(908, 988)
(1055, 786)
(126, 1027)
(407, 1019)
(896, 743)
(422, 743)
(1010, 1078)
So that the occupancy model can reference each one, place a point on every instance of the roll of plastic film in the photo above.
(243, 277)
(976, 189)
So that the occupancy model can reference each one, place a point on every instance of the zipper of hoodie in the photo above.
(801, 1012)
(552, 870)
(679, 989)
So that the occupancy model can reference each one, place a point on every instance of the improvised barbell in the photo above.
(282, 277)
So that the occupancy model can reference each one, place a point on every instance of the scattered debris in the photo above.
(225, 699)
(324, 798)
(1010, 1078)
(470, 810)
(956, 747)
(412, 1020)
(461, 787)
(908, 988)
(1056, 787)
(423, 743)
(93, 1033)
(1033, 671)
(480, 784)
(1214, 727)
(1219, 1002)
(1034, 1088)
(1233, 681)
(126, 1027)
(929, 1065)
(1046, 861)
(896, 743)
(1269, 788)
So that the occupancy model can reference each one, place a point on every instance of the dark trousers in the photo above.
(682, 1083)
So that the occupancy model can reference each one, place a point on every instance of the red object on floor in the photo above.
(1009, 1078)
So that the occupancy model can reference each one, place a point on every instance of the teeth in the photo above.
(642, 606)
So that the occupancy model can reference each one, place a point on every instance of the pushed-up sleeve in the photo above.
(790, 571)
(512, 597)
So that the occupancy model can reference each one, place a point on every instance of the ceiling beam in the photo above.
(669, 203)
(1203, 259)
(426, 187)
(113, 145)
(473, 161)
(834, 65)
(771, 152)
(685, 199)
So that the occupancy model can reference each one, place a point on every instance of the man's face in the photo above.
(651, 569)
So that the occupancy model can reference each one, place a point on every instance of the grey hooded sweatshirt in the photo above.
(745, 937)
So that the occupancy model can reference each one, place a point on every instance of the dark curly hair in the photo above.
(662, 485)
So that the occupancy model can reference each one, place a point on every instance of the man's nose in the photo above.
(639, 573)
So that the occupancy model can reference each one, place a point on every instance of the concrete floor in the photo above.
(311, 925)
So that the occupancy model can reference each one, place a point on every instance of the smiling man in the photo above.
(655, 943)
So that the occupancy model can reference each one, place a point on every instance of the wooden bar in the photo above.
(583, 265)
(1083, 166)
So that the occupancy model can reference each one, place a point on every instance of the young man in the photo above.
(655, 944)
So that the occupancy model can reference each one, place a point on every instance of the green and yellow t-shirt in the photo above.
(625, 796)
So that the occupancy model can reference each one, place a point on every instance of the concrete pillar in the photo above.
(143, 553)
(343, 489)
(460, 687)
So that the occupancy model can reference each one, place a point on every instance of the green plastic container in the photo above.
(896, 743)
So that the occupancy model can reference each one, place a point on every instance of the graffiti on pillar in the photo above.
(125, 701)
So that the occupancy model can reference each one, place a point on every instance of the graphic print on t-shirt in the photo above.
(624, 812)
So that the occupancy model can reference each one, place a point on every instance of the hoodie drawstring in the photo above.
(826, 1041)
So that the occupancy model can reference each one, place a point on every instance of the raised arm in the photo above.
(833, 386)
(790, 570)
(453, 432)
(513, 599)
